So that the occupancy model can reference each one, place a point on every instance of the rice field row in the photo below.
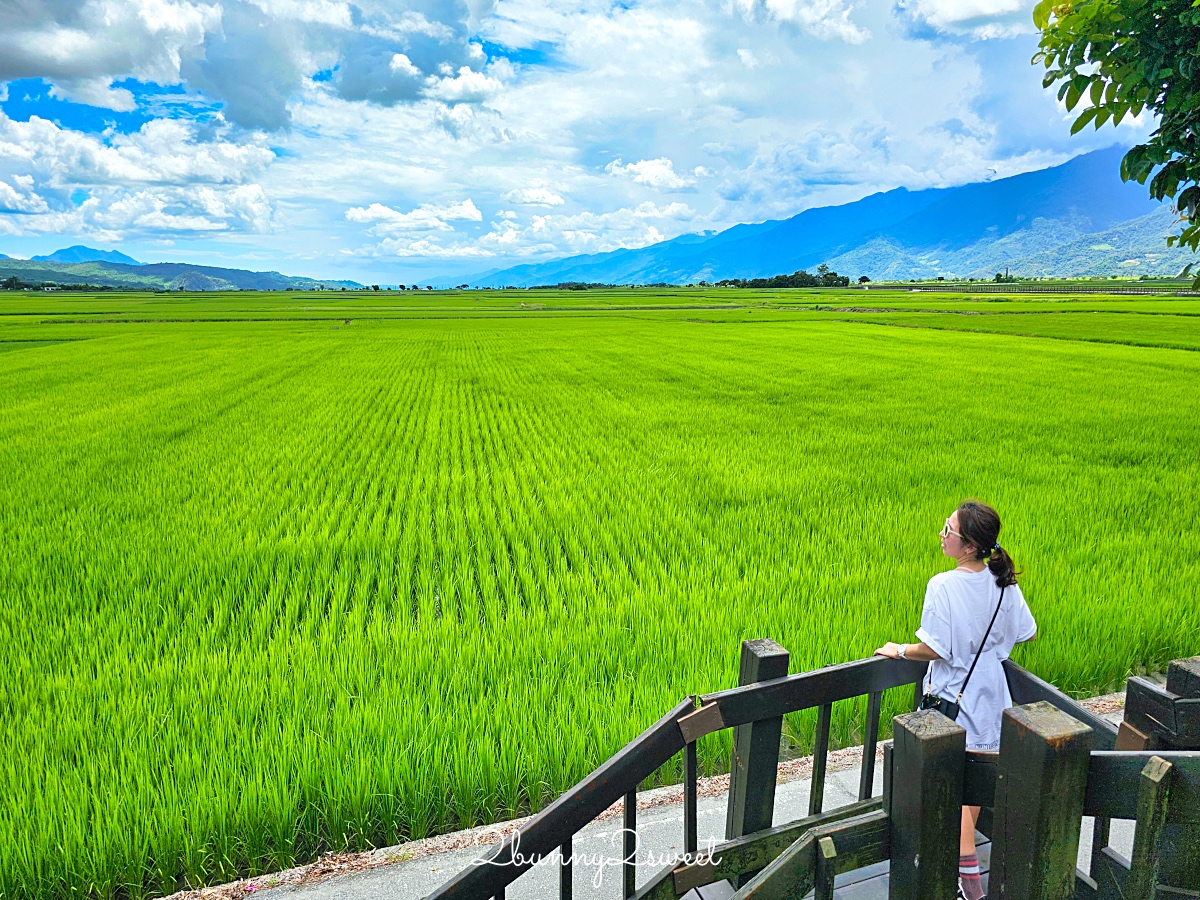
(276, 588)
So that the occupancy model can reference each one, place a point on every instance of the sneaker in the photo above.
(962, 894)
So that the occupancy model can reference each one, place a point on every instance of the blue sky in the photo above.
(390, 142)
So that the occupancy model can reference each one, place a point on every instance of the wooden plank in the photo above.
(754, 851)
(826, 869)
(572, 810)
(1114, 779)
(804, 691)
(1026, 688)
(927, 789)
(1101, 830)
(1154, 791)
(753, 770)
(566, 885)
(1039, 803)
(690, 776)
(629, 845)
(859, 842)
(866, 773)
(1149, 708)
(704, 720)
(889, 750)
(816, 786)
(1183, 678)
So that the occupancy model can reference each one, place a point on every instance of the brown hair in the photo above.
(979, 525)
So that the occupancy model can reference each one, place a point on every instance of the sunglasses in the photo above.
(946, 529)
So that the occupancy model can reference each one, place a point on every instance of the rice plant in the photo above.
(273, 588)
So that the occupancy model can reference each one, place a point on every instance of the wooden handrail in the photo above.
(555, 825)
(768, 699)
(574, 809)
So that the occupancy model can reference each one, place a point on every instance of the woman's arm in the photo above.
(921, 652)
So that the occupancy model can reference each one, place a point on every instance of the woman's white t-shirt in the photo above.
(958, 606)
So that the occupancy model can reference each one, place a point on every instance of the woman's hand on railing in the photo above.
(921, 652)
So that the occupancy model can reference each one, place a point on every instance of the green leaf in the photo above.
(1041, 14)
(1086, 116)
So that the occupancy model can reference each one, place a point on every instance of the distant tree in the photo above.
(1119, 57)
(374, 287)
(402, 287)
(822, 270)
(863, 279)
(415, 288)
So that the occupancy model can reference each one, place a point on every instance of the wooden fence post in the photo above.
(755, 763)
(1181, 857)
(925, 805)
(1040, 790)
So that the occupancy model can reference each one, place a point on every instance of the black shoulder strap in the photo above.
(979, 652)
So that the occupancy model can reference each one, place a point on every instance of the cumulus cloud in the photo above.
(161, 151)
(980, 19)
(534, 196)
(19, 196)
(657, 173)
(825, 19)
(168, 176)
(427, 217)
(467, 85)
(253, 56)
(81, 47)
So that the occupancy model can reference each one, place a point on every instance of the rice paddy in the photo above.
(284, 574)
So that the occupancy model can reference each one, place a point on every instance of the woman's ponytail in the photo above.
(980, 527)
(1001, 565)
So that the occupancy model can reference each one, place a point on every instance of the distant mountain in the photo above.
(159, 276)
(81, 254)
(1047, 222)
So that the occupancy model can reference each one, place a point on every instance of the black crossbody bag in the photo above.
(950, 708)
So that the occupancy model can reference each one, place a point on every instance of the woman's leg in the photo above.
(966, 840)
(970, 885)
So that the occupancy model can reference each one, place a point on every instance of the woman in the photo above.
(959, 604)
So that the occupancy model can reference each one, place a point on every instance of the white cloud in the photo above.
(402, 65)
(162, 151)
(19, 197)
(825, 19)
(658, 173)
(427, 217)
(253, 56)
(534, 196)
(467, 85)
(980, 19)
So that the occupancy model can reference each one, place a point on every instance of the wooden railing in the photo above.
(768, 862)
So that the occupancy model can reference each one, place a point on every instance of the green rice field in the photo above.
(289, 573)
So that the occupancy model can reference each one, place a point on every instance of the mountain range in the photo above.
(83, 265)
(80, 254)
(1075, 219)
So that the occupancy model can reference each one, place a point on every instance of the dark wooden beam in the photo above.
(1027, 688)
(849, 844)
(754, 851)
(796, 692)
(573, 810)
(753, 770)
(926, 805)
(1039, 803)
